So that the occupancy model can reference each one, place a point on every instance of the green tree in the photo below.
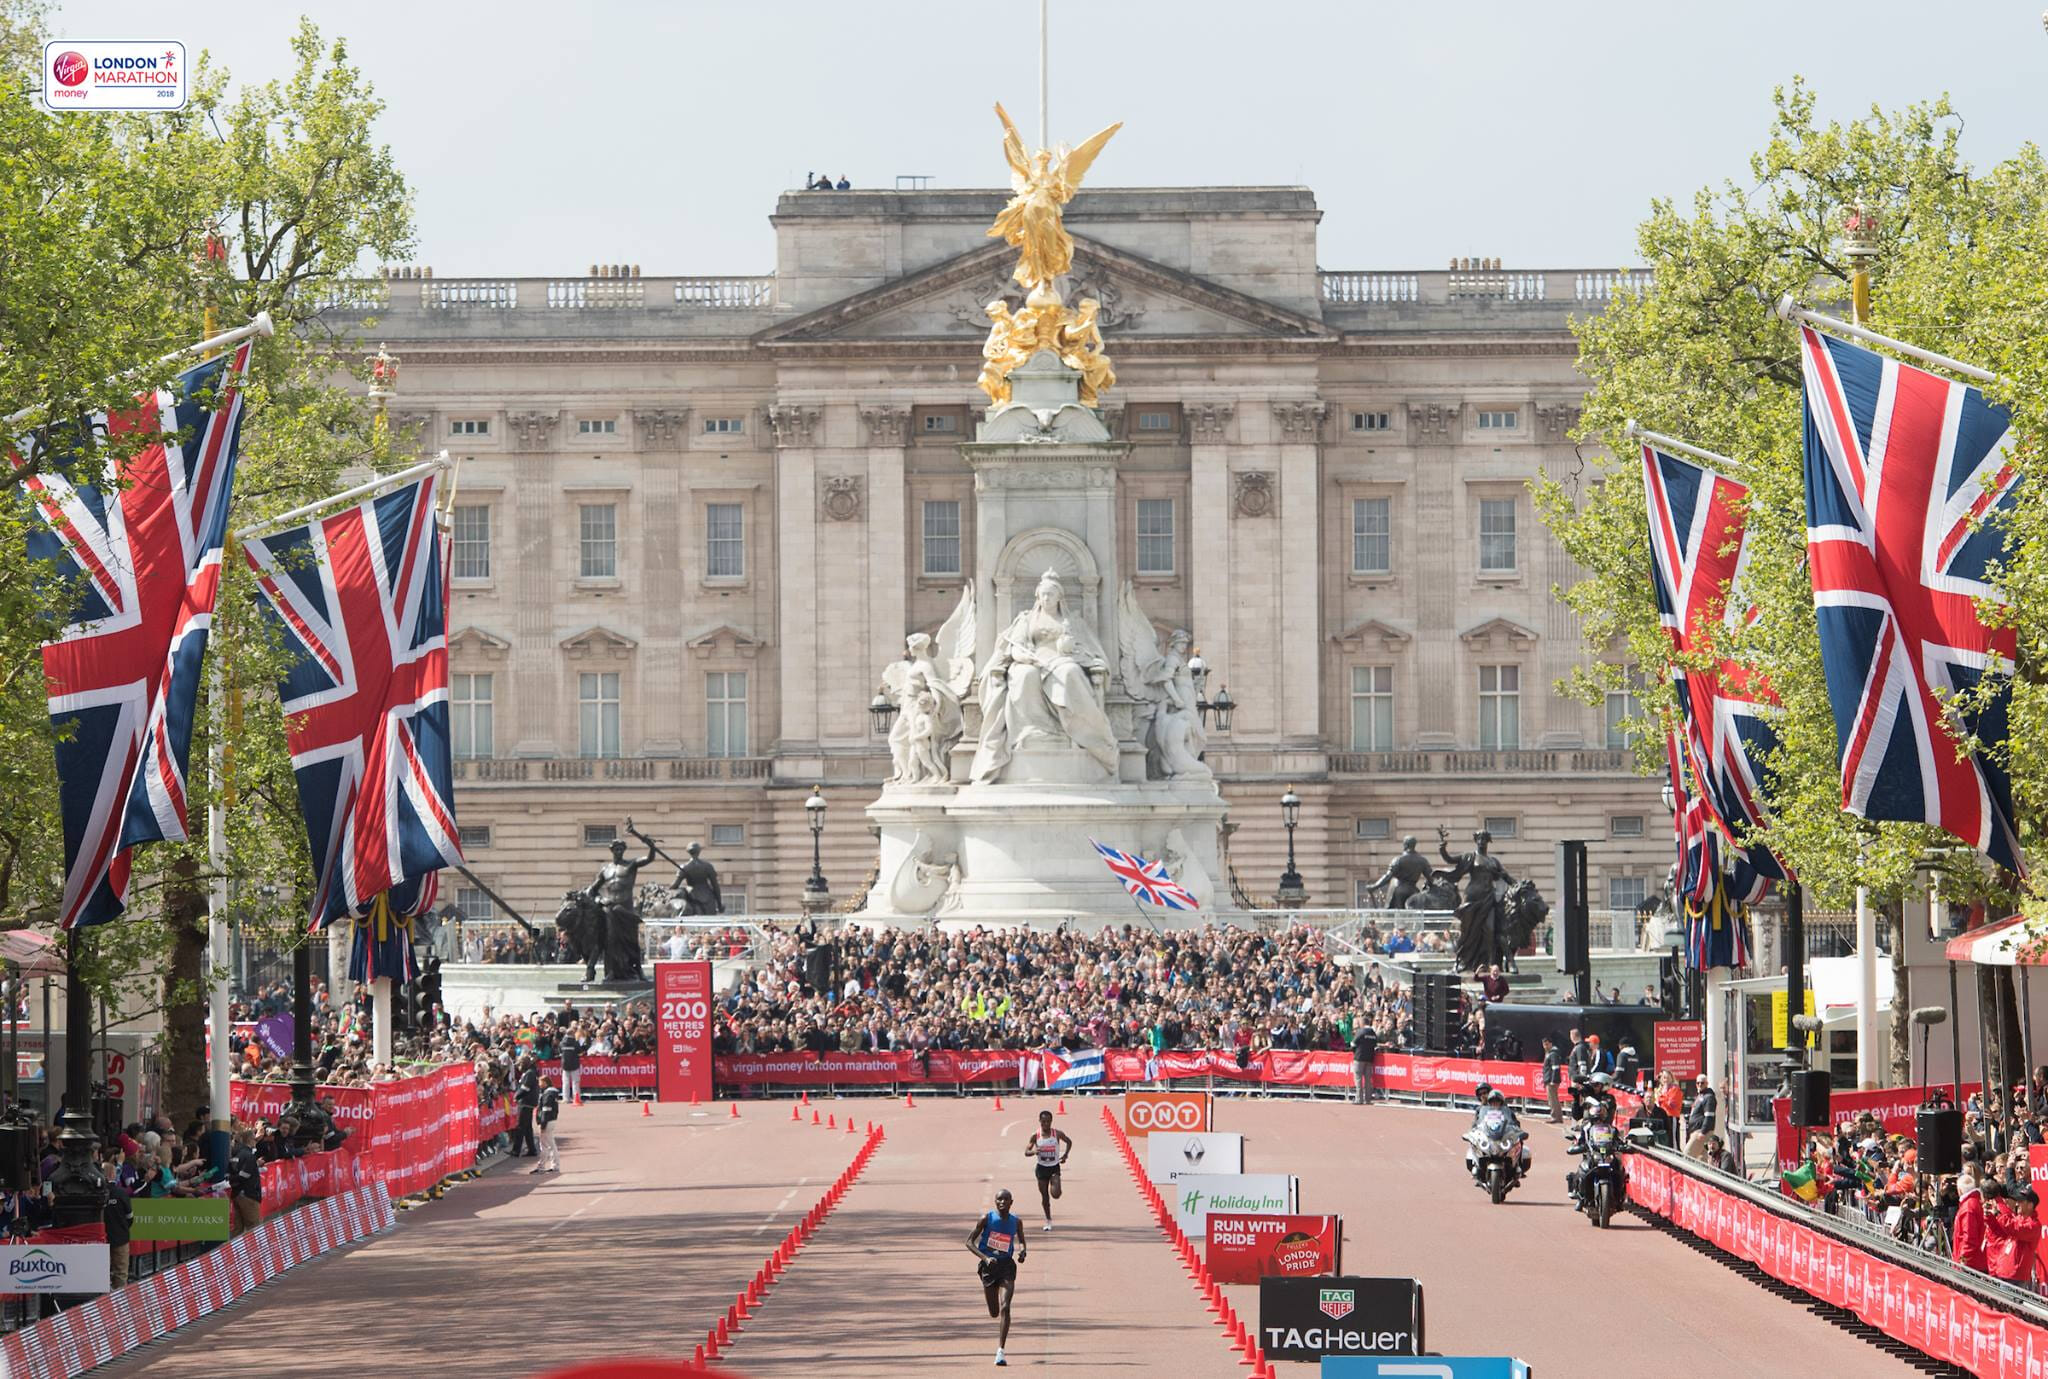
(1962, 268)
(104, 226)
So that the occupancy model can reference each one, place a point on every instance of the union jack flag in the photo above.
(1146, 881)
(1902, 468)
(143, 550)
(363, 603)
(1698, 548)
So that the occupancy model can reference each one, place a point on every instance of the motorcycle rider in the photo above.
(1493, 1099)
(1601, 1113)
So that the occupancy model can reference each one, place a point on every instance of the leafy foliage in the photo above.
(1962, 268)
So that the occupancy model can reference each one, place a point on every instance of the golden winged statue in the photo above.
(1043, 182)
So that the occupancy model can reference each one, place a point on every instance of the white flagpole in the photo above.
(1043, 26)
(260, 326)
(360, 491)
(1789, 310)
(1658, 438)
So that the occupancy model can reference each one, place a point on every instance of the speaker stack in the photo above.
(818, 967)
(1438, 1010)
(1938, 1131)
(1810, 1089)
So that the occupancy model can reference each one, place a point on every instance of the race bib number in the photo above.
(999, 1242)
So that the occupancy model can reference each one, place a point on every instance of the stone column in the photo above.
(659, 435)
(797, 573)
(1436, 687)
(1298, 571)
(536, 664)
(886, 429)
(1209, 549)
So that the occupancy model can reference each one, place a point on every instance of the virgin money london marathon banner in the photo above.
(1246, 1248)
(1198, 1194)
(682, 993)
(1308, 1318)
(1171, 1156)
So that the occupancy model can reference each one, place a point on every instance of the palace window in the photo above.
(469, 551)
(725, 426)
(1501, 825)
(1371, 421)
(598, 528)
(1372, 708)
(1625, 826)
(728, 835)
(1155, 423)
(472, 906)
(942, 537)
(1499, 421)
(469, 426)
(597, 706)
(470, 714)
(474, 836)
(1622, 709)
(1372, 830)
(600, 835)
(1155, 536)
(1626, 892)
(725, 713)
(941, 424)
(597, 426)
(1372, 536)
(725, 541)
(1497, 535)
(1500, 707)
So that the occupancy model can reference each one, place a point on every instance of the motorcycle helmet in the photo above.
(1483, 1090)
(1495, 1097)
(1601, 1113)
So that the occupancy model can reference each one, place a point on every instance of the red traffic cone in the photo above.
(735, 1109)
(814, 1118)
(805, 1097)
(910, 1098)
(1063, 1106)
(849, 1125)
(795, 1114)
(829, 1124)
(999, 1101)
(646, 1107)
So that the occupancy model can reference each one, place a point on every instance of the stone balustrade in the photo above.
(1447, 286)
(517, 770)
(1452, 762)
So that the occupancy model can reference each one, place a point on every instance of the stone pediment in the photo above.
(597, 641)
(1372, 635)
(1139, 298)
(1501, 634)
(723, 640)
(474, 638)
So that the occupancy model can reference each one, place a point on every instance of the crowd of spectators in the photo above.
(1221, 987)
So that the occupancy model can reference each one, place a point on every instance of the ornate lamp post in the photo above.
(1292, 893)
(884, 710)
(816, 894)
(1221, 706)
(1859, 244)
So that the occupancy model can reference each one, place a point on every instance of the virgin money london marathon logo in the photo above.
(123, 75)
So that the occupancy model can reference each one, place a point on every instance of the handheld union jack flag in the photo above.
(363, 603)
(123, 676)
(1146, 881)
(1902, 468)
(1698, 547)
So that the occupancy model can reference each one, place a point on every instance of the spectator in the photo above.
(119, 1219)
(245, 1180)
(1699, 1117)
(1553, 1076)
(1968, 1231)
(843, 185)
(2014, 1233)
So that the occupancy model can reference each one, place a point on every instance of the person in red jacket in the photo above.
(2015, 1233)
(1969, 1228)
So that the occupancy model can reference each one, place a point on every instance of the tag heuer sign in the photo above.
(1308, 1318)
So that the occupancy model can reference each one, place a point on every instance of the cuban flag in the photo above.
(1147, 882)
(1083, 1069)
(141, 545)
(1907, 476)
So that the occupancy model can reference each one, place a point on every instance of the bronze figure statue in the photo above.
(1482, 936)
(697, 883)
(1409, 875)
(614, 892)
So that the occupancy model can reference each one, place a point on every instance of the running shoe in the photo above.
(1048, 1226)
(999, 1356)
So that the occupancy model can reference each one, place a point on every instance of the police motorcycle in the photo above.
(1598, 1184)
(1496, 1154)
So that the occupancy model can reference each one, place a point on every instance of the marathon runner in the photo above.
(997, 1240)
(1050, 1147)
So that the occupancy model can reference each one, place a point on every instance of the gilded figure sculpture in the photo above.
(1043, 182)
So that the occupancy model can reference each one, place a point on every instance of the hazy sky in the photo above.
(542, 137)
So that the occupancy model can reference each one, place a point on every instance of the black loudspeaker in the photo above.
(1810, 1088)
(1939, 1132)
(1573, 939)
(15, 1147)
(818, 967)
(1438, 1010)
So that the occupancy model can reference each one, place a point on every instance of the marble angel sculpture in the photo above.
(1168, 723)
(926, 686)
(1039, 686)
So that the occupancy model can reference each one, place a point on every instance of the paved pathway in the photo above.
(639, 1244)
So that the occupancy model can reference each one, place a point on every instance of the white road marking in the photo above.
(576, 1213)
(780, 1207)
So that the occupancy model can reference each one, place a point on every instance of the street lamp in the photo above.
(884, 710)
(815, 890)
(1221, 706)
(1292, 893)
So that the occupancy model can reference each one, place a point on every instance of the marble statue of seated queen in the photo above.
(1040, 688)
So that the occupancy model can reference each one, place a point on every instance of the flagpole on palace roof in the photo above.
(1658, 438)
(372, 488)
(1789, 310)
(260, 326)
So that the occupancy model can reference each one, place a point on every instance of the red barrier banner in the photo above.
(1246, 1248)
(408, 1133)
(632, 1072)
(682, 998)
(1894, 1107)
(1935, 1319)
(817, 1069)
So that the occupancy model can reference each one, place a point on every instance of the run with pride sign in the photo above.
(1246, 1248)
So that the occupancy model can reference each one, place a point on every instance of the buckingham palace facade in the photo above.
(696, 515)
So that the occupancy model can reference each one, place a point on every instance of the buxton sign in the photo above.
(36, 1268)
(1308, 1318)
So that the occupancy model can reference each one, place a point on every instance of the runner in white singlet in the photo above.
(1049, 1147)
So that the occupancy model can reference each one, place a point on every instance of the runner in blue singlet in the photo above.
(997, 1240)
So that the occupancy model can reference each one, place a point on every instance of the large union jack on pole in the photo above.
(142, 550)
(1148, 882)
(1903, 467)
(363, 604)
